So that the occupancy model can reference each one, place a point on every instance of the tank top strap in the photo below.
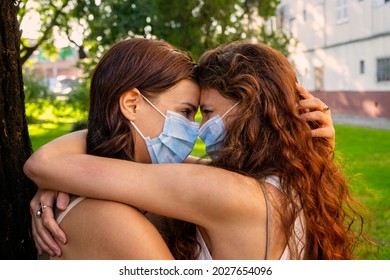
(275, 181)
(268, 223)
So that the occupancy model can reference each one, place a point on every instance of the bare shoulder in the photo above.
(99, 229)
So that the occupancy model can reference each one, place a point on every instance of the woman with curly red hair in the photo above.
(271, 191)
(269, 139)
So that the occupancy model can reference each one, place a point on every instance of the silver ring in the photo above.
(39, 212)
(44, 206)
(326, 108)
(41, 209)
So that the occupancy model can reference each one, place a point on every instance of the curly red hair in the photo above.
(268, 138)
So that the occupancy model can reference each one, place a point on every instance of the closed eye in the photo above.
(205, 111)
(186, 112)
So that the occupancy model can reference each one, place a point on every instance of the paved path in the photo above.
(378, 123)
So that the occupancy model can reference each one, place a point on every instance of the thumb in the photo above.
(62, 200)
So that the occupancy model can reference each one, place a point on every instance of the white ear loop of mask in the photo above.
(151, 104)
(227, 112)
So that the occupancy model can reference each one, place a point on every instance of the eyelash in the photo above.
(186, 112)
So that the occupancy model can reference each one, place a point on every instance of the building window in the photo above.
(362, 67)
(378, 3)
(383, 69)
(342, 10)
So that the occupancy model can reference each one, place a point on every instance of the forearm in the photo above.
(69, 172)
(59, 167)
(49, 157)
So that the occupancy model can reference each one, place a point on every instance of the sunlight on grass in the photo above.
(366, 159)
(43, 133)
(39, 129)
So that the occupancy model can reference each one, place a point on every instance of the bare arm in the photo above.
(195, 193)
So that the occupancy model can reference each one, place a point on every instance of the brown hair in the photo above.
(151, 66)
(269, 139)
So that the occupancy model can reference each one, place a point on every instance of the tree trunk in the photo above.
(15, 146)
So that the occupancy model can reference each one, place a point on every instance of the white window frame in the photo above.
(383, 69)
(362, 67)
(378, 3)
(342, 11)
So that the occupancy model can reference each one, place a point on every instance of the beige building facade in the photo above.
(342, 52)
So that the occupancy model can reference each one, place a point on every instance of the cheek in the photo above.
(206, 117)
(154, 127)
(191, 117)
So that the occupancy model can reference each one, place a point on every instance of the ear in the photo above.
(128, 103)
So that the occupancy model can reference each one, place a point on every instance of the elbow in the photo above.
(29, 167)
(34, 167)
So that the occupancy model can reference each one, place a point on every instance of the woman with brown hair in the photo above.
(271, 191)
(143, 84)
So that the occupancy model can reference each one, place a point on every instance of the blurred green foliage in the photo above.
(37, 97)
(42, 105)
(190, 25)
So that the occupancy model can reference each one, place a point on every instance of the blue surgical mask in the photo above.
(213, 132)
(175, 142)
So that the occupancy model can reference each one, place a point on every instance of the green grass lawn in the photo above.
(365, 155)
(43, 133)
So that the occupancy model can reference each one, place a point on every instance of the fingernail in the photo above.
(62, 238)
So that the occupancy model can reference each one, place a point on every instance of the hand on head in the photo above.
(317, 111)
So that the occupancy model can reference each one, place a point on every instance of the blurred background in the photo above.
(339, 48)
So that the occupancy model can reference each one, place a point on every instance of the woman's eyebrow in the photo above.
(193, 107)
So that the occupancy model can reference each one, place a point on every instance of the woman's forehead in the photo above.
(212, 97)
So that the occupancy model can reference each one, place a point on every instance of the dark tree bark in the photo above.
(15, 146)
